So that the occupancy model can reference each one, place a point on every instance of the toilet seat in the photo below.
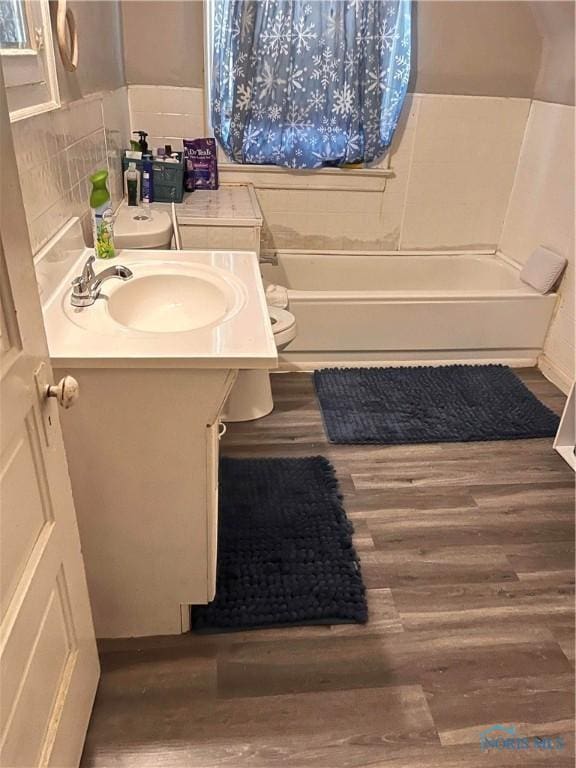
(283, 325)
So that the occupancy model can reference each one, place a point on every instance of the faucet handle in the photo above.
(81, 284)
(80, 291)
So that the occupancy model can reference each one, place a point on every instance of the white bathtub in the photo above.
(408, 308)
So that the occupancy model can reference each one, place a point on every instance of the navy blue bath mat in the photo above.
(285, 554)
(452, 403)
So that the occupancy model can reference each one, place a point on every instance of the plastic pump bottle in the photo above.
(102, 217)
(132, 184)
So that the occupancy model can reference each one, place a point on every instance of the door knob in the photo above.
(66, 392)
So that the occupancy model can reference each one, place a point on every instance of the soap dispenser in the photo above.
(142, 143)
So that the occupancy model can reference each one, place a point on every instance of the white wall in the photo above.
(458, 170)
(453, 158)
(173, 32)
(459, 46)
(57, 152)
(168, 114)
(541, 212)
(100, 53)
(555, 21)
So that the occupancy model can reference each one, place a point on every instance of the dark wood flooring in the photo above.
(467, 551)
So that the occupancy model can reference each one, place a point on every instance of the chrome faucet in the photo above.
(86, 287)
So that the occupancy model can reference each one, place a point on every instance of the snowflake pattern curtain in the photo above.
(308, 83)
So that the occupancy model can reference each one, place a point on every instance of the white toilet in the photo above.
(138, 227)
(251, 396)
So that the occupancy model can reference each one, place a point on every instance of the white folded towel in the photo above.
(543, 269)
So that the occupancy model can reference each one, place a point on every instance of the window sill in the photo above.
(32, 111)
(385, 173)
(321, 179)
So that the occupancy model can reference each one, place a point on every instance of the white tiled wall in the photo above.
(461, 172)
(56, 153)
(116, 120)
(454, 159)
(541, 212)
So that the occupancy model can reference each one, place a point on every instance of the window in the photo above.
(306, 85)
(13, 27)
(27, 56)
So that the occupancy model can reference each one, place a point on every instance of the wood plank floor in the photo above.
(467, 551)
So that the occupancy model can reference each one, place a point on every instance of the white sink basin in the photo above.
(180, 309)
(162, 297)
(170, 303)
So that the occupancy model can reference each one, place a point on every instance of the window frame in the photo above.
(377, 175)
(208, 44)
(30, 75)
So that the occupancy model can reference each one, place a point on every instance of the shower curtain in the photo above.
(307, 83)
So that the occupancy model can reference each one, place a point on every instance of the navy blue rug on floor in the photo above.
(452, 403)
(285, 553)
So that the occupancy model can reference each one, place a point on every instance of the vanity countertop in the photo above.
(92, 336)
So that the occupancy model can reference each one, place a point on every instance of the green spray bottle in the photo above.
(102, 216)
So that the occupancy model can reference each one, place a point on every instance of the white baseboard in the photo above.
(556, 375)
(311, 361)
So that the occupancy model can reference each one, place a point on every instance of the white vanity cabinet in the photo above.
(142, 450)
(155, 356)
(228, 217)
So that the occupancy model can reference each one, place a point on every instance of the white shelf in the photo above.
(567, 453)
(565, 437)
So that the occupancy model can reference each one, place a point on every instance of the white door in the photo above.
(48, 662)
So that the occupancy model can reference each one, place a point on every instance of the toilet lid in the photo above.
(135, 227)
(281, 319)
